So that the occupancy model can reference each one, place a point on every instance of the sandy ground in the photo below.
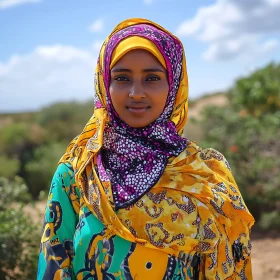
(265, 254)
(211, 100)
(266, 258)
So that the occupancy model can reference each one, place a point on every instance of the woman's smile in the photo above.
(138, 108)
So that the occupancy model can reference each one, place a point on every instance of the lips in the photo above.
(138, 108)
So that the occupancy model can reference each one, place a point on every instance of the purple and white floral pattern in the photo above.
(133, 159)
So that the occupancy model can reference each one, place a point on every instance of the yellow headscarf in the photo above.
(133, 43)
(195, 207)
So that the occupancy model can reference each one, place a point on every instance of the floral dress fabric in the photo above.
(186, 239)
(76, 245)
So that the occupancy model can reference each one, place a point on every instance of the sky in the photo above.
(49, 48)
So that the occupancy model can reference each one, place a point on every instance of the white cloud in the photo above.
(97, 25)
(148, 2)
(62, 54)
(48, 74)
(234, 27)
(4, 4)
(274, 2)
(269, 46)
(230, 48)
(207, 22)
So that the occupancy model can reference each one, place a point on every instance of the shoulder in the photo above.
(204, 154)
(210, 154)
(64, 177)
(214, 162)
(64, 188)
(207, 160)
(194, 153)
(65, 167)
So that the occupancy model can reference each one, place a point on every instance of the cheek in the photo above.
(117, 97)
(114, 93)
(112, 96)
(111, 91)
(164, 96)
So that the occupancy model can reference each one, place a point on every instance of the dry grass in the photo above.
(210, 100)
(192, 129)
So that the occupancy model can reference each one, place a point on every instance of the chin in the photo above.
(137, 125)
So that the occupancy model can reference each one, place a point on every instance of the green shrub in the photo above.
(9, 167)
(247, 133)
(64, 121)
(19, 238)
(258, 93)
(250, 144)
(13, 191)
(270, 220)
(13, 138)
(40, 170)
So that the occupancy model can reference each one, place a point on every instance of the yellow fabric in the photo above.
(134, 43)
(196, 197)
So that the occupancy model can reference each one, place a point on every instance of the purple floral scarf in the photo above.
(133, 159)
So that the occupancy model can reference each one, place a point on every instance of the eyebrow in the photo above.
(119, 70)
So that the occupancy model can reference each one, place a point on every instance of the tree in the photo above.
(258, 93)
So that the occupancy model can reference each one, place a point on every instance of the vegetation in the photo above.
(31, 144)
(19, 238)
(247, 132)
(30, 147)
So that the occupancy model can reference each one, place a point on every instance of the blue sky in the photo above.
(48, 48)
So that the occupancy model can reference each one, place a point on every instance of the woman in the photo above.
(132, 198)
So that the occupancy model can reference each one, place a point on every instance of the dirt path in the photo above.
(266, 259)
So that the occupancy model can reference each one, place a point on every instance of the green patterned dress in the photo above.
(76, 245)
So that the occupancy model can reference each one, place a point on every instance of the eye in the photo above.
(121, 79)
(152, 78)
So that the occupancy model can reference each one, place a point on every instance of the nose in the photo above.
(137, 91)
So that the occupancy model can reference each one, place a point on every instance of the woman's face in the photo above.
(138, 88)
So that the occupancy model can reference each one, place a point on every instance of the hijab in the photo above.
(133, 159)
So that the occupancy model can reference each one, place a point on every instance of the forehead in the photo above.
(138, 57)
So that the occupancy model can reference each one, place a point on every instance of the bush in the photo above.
(259, 92)
(19, 239)
(247, 133)
(65, 120)
(13, 191)
(40, 170)
(9, 167)
(250, 144)
(270, 220)
(17, 144)
(14, 138)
